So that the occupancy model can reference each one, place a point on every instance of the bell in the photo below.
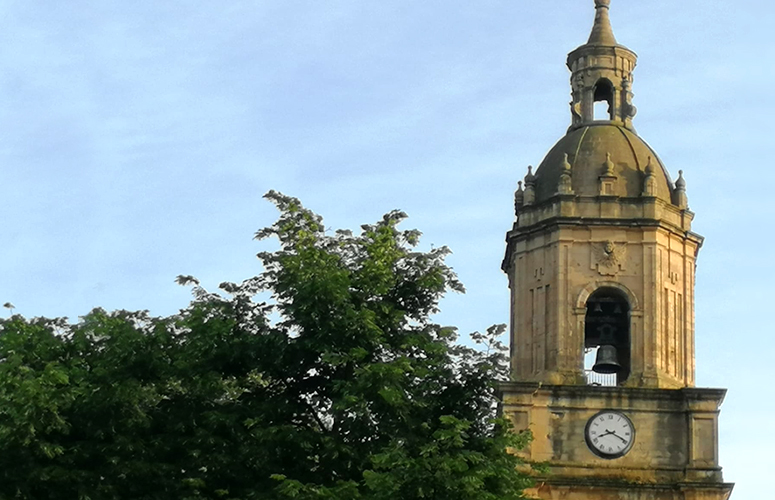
(607, 360)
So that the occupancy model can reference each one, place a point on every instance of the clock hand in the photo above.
(617, 435)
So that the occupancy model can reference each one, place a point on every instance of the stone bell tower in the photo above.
(601, 263)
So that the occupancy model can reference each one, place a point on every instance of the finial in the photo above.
(649, 167)
(602, 33)
(649, 182)
(519, 198)
(529, 196)
(565, 186)
(680, 183)
(530, 178)
(679, 194)
(609, 165)
(566, 166)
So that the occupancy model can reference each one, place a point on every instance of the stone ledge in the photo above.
(556, 489)
(619, 484)
(586, 391)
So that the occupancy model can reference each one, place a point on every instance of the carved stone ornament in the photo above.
(575, 109)
(608, 257)
(579, 81)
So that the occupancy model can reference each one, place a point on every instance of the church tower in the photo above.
(601, 263)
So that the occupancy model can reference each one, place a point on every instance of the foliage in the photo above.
(338, 386)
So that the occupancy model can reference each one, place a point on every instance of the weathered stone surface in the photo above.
(674, 430)
(586, 148)
(602, 255)
(554, 268)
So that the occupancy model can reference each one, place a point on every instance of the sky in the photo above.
(137, 139)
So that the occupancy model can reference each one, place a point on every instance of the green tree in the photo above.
(336, 386)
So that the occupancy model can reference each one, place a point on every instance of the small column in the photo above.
(588, 105)
(628, 109)
(616, 105)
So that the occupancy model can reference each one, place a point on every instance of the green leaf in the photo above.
(324, 377)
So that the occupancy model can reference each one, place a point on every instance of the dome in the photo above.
(587, 148)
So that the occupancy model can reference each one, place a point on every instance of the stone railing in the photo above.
(601, 379)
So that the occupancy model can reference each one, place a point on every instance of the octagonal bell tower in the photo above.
(601, 264)
(601, 225)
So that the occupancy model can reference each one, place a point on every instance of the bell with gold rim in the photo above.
(607, 360)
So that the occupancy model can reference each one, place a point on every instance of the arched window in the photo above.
(604, 100)
(607, 337)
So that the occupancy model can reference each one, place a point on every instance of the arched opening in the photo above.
(603, 100)
(607, 337)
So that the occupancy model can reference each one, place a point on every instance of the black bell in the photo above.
(607, 360)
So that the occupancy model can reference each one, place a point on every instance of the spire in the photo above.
(602, 33)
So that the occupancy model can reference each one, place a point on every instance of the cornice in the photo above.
(688, 394)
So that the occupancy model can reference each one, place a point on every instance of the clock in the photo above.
(610, 434)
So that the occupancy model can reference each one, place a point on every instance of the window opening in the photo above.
(607, 338)
(604, 100)
(602, 111)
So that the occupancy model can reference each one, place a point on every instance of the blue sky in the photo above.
(137, 138)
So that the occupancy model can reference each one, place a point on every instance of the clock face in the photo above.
(610, 434)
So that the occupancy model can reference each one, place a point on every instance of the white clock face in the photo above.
(609, 434)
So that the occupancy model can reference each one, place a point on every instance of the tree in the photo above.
(321, 378)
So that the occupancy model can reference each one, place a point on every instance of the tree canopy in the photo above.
(324, 377)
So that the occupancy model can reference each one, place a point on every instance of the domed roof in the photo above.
(587, 148)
